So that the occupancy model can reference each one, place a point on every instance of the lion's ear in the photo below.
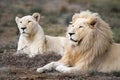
(36, 16)
(75, 17)
(17, 19)
(92, 22)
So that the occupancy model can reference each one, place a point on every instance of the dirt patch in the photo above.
(23, 68)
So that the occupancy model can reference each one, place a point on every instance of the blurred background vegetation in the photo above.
(55, 15)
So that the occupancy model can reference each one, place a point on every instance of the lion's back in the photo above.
(56, 44)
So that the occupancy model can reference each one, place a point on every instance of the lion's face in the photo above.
(28, 24)
(78, 30)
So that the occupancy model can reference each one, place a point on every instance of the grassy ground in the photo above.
(23, 68)
(55, 17)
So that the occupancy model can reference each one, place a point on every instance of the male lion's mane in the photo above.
(93, 45)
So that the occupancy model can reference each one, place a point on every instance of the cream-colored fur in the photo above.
(32, 40)
(91, 47)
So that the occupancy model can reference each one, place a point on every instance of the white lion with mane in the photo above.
(32, 40)
(91, 47)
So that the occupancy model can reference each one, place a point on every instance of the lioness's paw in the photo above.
(31, 55)
(40, 70)
(18, 53)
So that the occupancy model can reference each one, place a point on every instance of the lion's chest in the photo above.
(72, 57)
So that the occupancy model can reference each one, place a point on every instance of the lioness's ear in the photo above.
(17, 19)
(36, 16)
(75, 17)
(92, 22)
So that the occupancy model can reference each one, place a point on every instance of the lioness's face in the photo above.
(27, 25)
(78, 30)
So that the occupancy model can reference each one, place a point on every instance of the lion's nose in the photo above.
(71, 34)
(23, 28)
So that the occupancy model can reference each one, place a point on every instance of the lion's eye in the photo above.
(80, 26)
(29, 21)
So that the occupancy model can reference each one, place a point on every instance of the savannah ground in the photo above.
(55, 17)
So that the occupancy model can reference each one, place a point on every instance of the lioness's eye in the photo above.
(80, 26)
(29, 21)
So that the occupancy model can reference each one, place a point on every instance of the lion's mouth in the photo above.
(24, 32)
(76, 41)
(73, 40)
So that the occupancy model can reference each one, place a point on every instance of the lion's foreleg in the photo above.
(48, 67)
(65, 69)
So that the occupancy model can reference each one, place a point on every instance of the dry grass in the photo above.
(55, 30)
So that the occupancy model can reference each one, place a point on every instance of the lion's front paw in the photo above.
(31, 55)
(19, 52)
(63, 69)
(40, 70)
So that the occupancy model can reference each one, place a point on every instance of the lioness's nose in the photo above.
(71, 34)
(23, 28)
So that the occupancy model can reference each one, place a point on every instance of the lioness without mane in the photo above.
(33, 41)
